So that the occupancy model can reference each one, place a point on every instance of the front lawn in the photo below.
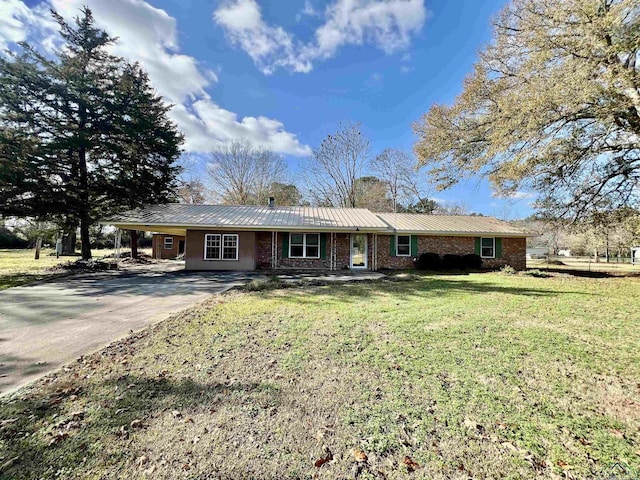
(453, 376)
(18, 266)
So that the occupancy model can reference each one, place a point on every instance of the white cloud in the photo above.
(149, 35)
(17, 20)
(269, 47)
(389, 25)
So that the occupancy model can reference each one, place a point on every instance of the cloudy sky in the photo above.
(283, 73)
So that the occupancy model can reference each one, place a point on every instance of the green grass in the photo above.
(18, 266)
(480, 375)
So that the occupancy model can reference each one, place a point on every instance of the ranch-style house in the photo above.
(227, 237)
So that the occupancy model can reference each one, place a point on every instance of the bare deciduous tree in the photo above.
(407, 186)
(335, 166)
(242, 174)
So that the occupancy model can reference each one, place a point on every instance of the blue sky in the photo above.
(284, 73)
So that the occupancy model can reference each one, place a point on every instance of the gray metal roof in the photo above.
(177, 217)
(250, 217)
(450, 224)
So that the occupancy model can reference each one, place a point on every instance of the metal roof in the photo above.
(176, 218)
(250, 217)
(450, 224)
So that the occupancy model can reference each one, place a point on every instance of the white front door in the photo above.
(359, 250)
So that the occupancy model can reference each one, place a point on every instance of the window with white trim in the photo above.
(488, 247)
(220, 247)
(230, 247)
(403, 245)
(304, 245)
(168, 243)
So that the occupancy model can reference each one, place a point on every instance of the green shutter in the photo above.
(498, 248)
(285, 245)
(323, 245)
(478, 246)
(414, 245)
(392, 243)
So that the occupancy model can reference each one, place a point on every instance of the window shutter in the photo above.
(498, 248)
(392, 244)
(285, 245)
(478, 246)
(414, 245)
(323, 245)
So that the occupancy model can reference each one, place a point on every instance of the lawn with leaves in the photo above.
(450, 376)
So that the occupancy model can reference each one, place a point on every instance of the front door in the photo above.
(359, 250)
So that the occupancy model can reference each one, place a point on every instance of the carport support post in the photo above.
(117, 242)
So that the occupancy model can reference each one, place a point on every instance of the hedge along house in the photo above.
(226, 237)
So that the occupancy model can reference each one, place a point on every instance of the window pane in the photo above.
(297, 250)
(404, 250)
(487, 251)
(230, 247)
(313, 238)
(487, 242)
(312, 251)
(404, 240)
(297, 239)
(212, 252)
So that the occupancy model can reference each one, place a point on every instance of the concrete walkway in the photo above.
(45, 325)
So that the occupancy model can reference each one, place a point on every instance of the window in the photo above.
(304, 245)
(403, 245)
(230, 247)
(168, 243)
(488, 247)
(221, 247)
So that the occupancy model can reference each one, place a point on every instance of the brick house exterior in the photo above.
(223, 237)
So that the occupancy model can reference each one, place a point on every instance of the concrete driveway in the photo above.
(45, 325)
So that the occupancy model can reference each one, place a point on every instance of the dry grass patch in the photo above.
(481, 375)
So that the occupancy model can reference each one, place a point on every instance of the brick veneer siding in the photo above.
(513, 251)
(263, 253)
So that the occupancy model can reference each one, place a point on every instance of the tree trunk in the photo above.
(85, 241)
(134, 243)
(69, 242)
(84, 204)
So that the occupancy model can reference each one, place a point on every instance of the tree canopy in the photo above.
(82, 133)
(553, 104)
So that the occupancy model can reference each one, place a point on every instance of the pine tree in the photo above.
(82, 134)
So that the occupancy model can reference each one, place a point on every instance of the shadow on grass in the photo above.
(43, 434)
(17, 279)
(425, 286)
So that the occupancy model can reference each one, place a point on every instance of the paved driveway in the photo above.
(46, 325)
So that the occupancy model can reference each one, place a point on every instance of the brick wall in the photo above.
(513, 251)
(263, 253)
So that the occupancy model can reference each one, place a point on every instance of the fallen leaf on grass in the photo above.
(564, 465)
(322, 460)
(410, 464)
(58, 438)
(360, 456)
(136, 423)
